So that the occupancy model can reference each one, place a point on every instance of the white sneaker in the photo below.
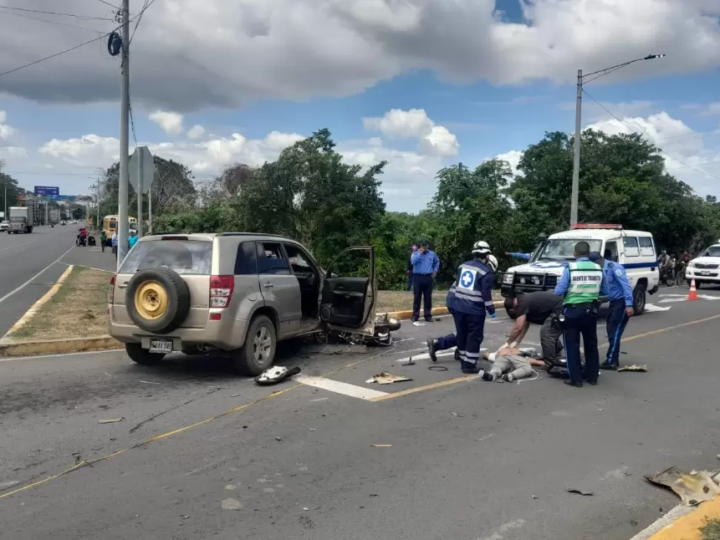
(508, 378)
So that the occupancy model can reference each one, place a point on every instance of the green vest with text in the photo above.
(585, 280)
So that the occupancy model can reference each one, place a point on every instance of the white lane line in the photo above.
(340, 387)
(23, 244)
(29, 281)
(63, 355)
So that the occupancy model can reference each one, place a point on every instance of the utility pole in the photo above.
(576, 157)
(7, 218)
(122, 247)
(581, 79)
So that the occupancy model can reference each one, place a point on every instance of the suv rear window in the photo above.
(186, 257)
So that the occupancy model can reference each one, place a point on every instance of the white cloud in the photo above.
(375, 141)
(690, 156)
(415, 124)
(513, 158)
(196, 132)
(704, 109)
(170, 122)
(191, 54)
(6, 132)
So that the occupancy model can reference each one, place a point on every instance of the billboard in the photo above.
(47, 190)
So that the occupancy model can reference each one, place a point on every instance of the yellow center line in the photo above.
(177, 431)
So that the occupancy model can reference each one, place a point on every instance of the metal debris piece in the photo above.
(408, 362)
(418, 323)
(692, 488)
(111, 420)
(381, 445)
(581, 492)
(388, 378)
(635, 367)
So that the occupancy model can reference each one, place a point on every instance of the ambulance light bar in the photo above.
(596, 226)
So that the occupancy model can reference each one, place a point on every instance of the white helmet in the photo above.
(481, 247)
(492, 263)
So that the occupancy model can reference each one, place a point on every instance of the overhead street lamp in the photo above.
(581, 80)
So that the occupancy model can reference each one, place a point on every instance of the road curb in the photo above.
(682, 522)
(57, 346)
(407, 315)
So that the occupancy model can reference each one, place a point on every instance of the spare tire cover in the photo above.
(157, 300)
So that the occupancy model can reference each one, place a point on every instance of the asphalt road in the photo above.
(29, 267)
(201, 454)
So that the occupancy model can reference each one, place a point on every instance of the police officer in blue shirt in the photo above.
(472, 298)
(425, 268)
(616, 287)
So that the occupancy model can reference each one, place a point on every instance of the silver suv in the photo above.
(237, 293)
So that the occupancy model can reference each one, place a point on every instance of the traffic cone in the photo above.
(692, 295)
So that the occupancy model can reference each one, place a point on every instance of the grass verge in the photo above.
(711, 530)
(402, 300)
(77, 310)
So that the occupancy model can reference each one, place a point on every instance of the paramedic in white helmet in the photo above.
(468, 300)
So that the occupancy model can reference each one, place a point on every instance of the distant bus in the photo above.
(110, 224)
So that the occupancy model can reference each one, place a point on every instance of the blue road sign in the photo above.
(47, 190)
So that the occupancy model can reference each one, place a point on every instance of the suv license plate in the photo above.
(704, 273)
(161, 345)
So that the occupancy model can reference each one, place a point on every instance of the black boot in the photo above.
(433, 346)
(457, 355)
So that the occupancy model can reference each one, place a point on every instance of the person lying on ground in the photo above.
(509, 365)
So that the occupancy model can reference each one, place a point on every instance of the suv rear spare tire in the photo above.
(157, 300)
(258, 353)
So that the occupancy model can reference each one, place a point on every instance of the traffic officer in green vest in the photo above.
(580, 285)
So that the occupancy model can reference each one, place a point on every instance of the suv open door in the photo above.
(348, 295)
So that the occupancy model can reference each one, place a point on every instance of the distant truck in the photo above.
(54, 215)
(22, 219)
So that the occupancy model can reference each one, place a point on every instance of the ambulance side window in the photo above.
(631, 247)
(611, 252)
(646, 247)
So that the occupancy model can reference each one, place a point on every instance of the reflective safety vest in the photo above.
(585, 280)
(467, 290)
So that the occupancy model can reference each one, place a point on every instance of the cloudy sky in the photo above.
(420, 83)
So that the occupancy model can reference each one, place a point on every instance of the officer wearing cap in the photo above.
(472, 298)
(580, 286)
(425, 265)
(616, 287)
(444, 343)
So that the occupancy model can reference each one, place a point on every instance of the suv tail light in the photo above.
(221, 290)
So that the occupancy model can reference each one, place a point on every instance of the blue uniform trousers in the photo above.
(579, 321)
(469, 337)
(422, 287)
(617, 320)
(447, 342)
(410, 282)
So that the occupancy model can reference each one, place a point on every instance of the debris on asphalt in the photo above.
(387, 378)
(437, 368)
(581, 492)
(381, 445)
(635, 367)
(231, 504)
(279, 439)
(111, 420)
(418, 323)
(408, 362)
(276, 374)
(150, 382)
(535, 497)
(692, 488)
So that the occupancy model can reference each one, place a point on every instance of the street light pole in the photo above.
(582, 79)
(122, 226)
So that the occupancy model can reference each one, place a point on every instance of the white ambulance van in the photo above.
(634, 250)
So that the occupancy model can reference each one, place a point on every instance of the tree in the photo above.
(172, 190)
(310, 195)
(13, 190)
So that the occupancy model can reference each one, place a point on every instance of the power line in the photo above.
(635, 131)
(81, 17)
(47, 21)
(75, 47)
(147, 4)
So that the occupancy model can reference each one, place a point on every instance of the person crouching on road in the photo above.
(580, 285)
(616, 287)
(444, 343)
(543, 308)
(472, 298)
(425, 268)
